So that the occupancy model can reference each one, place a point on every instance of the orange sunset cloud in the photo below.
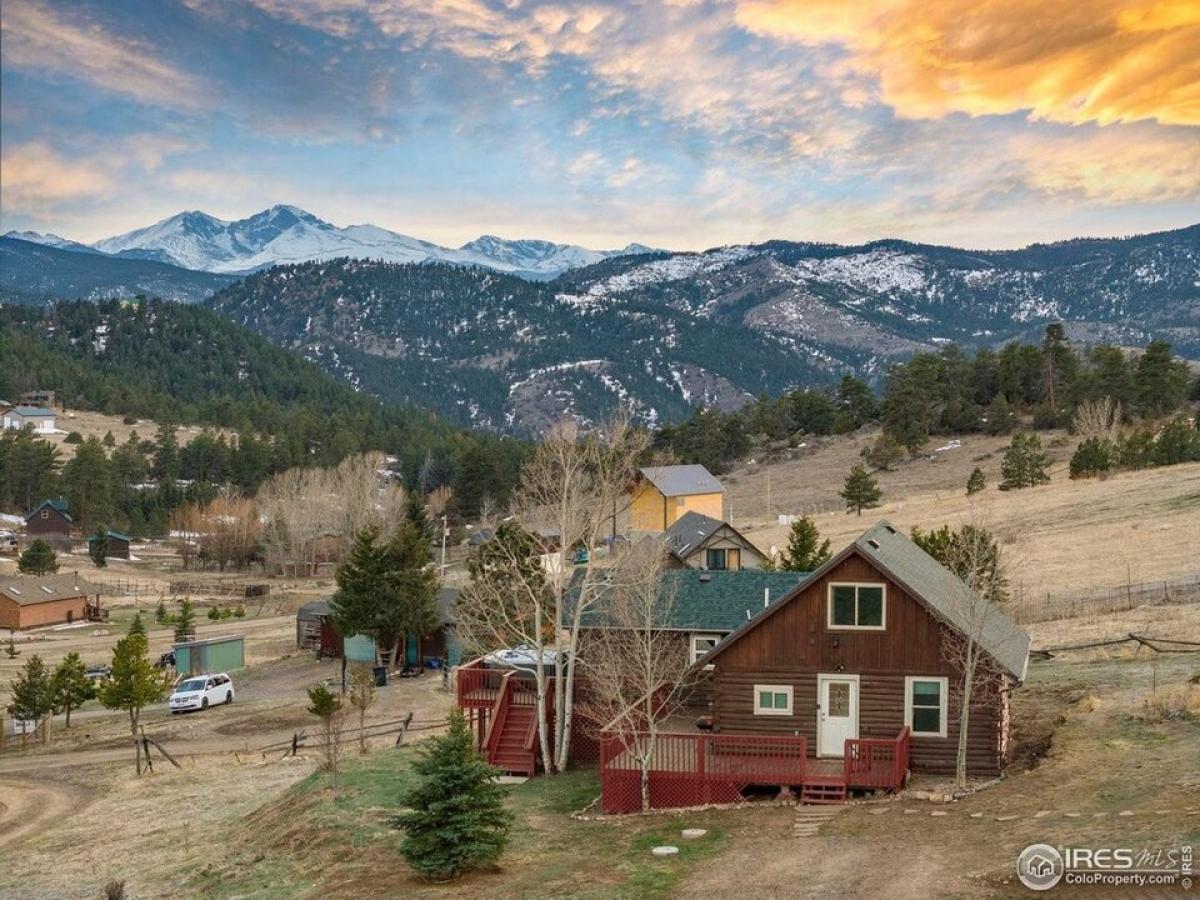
(1099, 61)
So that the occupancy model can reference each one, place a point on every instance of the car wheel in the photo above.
(229, 696)
(204, 703)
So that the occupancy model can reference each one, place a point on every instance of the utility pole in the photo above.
(445, 531)
(768, 495)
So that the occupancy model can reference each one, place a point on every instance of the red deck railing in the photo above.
(476, 687)
(692, 770)
(877, 763)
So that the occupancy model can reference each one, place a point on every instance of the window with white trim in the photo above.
(702, 643)
(853, 605)
(772, 699)
(925, 705)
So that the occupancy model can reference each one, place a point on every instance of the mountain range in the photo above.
(668, 332)
(661, 332)
(287, 234)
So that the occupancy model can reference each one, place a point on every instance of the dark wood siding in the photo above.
(794, 645)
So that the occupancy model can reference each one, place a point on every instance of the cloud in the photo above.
(1100, 61)
(1110, 167)
(36, 37)
(34, 177)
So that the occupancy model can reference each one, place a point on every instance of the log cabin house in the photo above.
(848, 682)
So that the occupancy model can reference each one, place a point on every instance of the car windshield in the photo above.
(194, 684)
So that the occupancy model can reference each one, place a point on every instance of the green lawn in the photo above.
(314, 841)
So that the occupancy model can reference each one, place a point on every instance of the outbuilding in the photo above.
(219, 654)
(27, 601)
(117, 545)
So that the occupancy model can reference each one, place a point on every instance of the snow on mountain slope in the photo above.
(287, 234)
(48, 240)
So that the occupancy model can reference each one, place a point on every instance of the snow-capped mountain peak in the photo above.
(47, 240)
(289, 234)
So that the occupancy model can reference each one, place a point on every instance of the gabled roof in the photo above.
(713, 601)
(59, 506)
(929, 582)
(29, 590)
(682, 481)
(692, 529)
(113, 534)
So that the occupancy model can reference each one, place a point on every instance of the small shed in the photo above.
(315, 631)
(118, 545)
(219, 654)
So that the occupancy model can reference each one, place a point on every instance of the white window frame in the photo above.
(698, 636)
(775, 689)
(882, 585)
(944, 706)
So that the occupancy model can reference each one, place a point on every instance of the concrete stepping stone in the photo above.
(1125, 813)
(878, 812)
(1041, 814)
(1007, 818)
(939, 812)
(911, 812)
(665, 850)
(977, 815)
(692, 833)
(1072, 815)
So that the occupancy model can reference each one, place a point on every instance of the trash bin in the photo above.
(433, 662)
(380, 676)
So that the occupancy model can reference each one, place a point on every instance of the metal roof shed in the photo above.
(219, 654)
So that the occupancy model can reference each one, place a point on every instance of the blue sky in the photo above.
(683, 124)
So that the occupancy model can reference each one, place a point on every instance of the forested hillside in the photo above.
(495, 351)
(184, 364)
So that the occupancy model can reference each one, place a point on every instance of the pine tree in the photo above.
(455, 820)
(361, 696)
(98, 548)
(327, 706)
(414, 511)
(160, 614)
(134, 682)
(860, 491)
(1024, 463)
(136, 625)
(1176, 443)
(977, 482)
(70, 684)
(970, 553)
(32, 692)
(1093, 456)
(884, 453)
(38, 559)
(185, 621)
(805, 550)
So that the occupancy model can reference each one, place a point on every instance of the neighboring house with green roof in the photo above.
(50, 521)
(117, 544)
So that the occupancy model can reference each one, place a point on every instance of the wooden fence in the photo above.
(1044, 607)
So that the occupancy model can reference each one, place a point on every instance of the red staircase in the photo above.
(823, 789)
(512, 728)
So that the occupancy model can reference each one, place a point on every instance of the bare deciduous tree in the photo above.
(637, 672)
(981, 571)
(571, 486)
(1097, 418)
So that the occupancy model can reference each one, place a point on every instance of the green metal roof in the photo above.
(713, 601)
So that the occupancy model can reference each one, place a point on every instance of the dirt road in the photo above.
(30, 807)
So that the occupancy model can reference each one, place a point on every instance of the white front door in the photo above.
(837, 713)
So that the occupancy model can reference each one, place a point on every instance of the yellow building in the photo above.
(662, 494)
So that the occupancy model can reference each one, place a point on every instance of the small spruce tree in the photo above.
(185, 622)
(134, 683)
(160, 614)
(327, 706)
(32, 693)
(860, 491)
(98, 548)
(1024, 463)
(456, 820)
(38, 559)
(70, 685)
(805, 550)
(1093, 456)
(137, 625)
(977, 482)
(361, 695)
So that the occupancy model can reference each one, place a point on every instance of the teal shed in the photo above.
(221, 654)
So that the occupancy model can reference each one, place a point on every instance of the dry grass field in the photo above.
(94, 424)
(1063, 536)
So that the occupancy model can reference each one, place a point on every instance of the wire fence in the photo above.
(1154, 644)
(1030, 607)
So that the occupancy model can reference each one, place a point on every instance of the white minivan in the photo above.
(201, 692)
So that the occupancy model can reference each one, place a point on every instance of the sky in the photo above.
(683, 124)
